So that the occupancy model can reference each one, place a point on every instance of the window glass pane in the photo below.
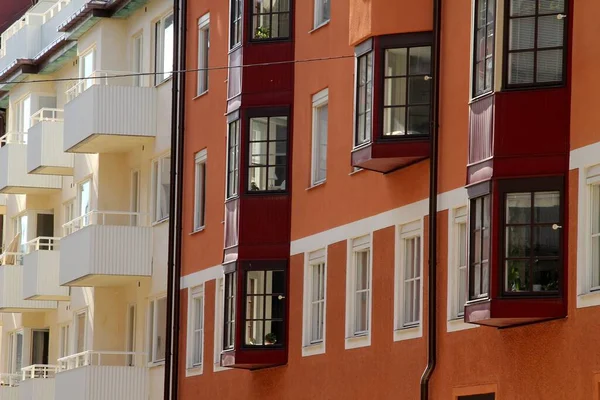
(419, 90)
(517, 275)
(395, 62)
(420, 60)
(278, 128)
(518, 208)
(19, 352)
(547, 207)
(81, 321)
(395, 92)
(418, 120)
(520, 68)
(549, 66)
(161, 327)
(394, 121)
(595, 262)
(518, 239)
(522, 7)
(551, 6)
(167, 47)
(550, 31)
(362, 270)
(522, 34)
(545, 275)
(546, 242)
(595, 200)
(361, 312)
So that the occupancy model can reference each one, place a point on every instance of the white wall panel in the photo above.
(40, 276)
(13, 172)
(11, 295)
(37, 389)
(102, 383)
(45, 148)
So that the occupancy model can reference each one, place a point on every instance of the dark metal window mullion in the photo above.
(531, 239)
(407, 90)
(535, 49)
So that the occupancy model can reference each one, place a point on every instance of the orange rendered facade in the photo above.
(534, 356)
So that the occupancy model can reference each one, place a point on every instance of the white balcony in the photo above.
(11, 287)
(21, 41)
(14, 178)
(105, 248)
(45, 144)
(37, 382)
(107, 113)
(9, 386)
(95, 375)
(41, 267)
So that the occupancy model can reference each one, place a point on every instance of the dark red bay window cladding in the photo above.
(258, 187)
(392, 124)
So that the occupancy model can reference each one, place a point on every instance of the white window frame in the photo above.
(153, 331)
(200, 176)
(404, 233)
(76, 315)
(131, 333)
(87, 83)
(456, 217)
(11, 359)
(161, 75)
(319, 101)
(313, 260)
(137, 58)
(155, 184)
(192, 367)
(219, 324)
(202, 83)
(319, 19)
(22, 121)
(587, 294)
(354, 246)
(64, 344)
(86, 220)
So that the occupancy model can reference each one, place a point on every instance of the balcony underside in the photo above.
(105, 280)
(52, 170)
(388, 156)
(254, 359)
(506, 312)
(101, 143)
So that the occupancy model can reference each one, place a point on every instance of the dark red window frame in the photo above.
(254, 16)
(482, 53)
(233, 158)
(229, 309)
(479, 225)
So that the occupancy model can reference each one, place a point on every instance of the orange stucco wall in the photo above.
(551, 360)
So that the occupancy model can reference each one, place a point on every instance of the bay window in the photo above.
(267, 162)
(535, 49)
(480, 246)
(229, 315)
(483, 60)
(364, 98)
(233, 158)
(270, 19)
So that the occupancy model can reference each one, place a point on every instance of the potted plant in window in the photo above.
(270, 338)
(262, 32)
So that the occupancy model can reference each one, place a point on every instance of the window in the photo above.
(15, 351)
(483, 59)
(233, 158)
(364, 99)
(322, 12)
(317, 301)
(64, 333)
(236, 23)
(138, 59)
(267, 169)
(200, 190)
(196, 327)
(270, 19)
(163, 51)
(80, 330)
(532, 257)
(85, 197)
(229, 317)
(219, 323)
(265, 306)
(479, 272)
(161, 187)
(595, 236)
(40, 341)
(358, 301)
(157, 327)
(131, 333)
(319, 139)
(411, 281)
(407, 91)
(203, 47)
(458, 263)
(134, 219)
(22, 120)
(69, 215)
(536, 40)
(87, 67)
(21, 228)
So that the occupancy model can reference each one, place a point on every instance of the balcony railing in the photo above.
(8, 379)
(9, 258)
(39, 371)
(14, 138)
(102, 358)
(105, 78)
(47, 114)
(42, 243)
(96, 217)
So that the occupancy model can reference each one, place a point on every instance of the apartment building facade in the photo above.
(372, 186)
(85, 178)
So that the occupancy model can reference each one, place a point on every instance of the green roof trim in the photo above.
(131, 7)
(57, 63)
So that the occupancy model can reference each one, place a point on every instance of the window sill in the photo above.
(408, 333)
(217, 368)
(357, 342)
(201, 95)
(159, 222)
(321, 25)
(197, 231)
(356, 172)
(194, 371)
(156, 364)
(458, 324)
(164, 81)
(589, 299)
(313, 349)
(316, 185)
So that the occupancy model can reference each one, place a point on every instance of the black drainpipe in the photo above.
(179, 205)
(433, 188)
(170, 367)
